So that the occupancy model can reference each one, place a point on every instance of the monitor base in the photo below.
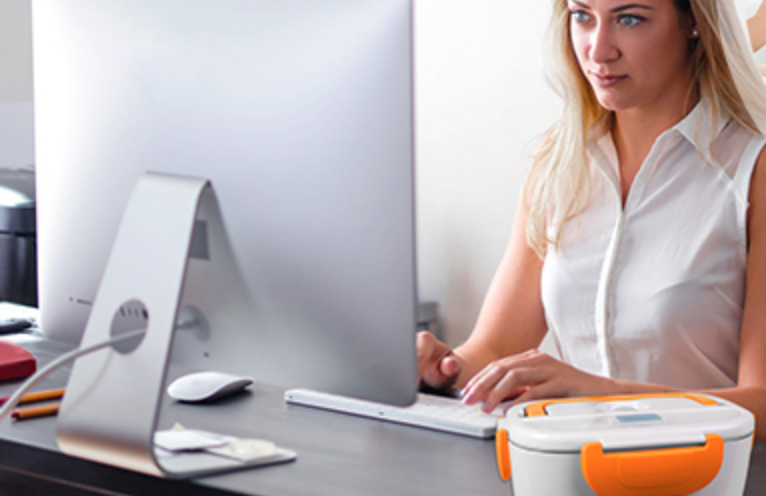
(171, 272)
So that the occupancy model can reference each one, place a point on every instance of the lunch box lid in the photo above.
(625, 422)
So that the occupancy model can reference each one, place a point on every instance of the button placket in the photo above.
(606, 278)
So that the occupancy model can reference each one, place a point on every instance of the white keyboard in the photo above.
(428, 411)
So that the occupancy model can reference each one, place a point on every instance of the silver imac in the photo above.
(299, 113)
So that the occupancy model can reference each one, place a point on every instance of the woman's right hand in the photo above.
(438, 366)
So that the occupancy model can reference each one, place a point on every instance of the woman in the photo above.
(633, 243)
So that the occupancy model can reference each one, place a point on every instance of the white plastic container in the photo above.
(648, 445)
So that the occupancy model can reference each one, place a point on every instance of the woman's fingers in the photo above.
(426, 346)
(437, 367)
(510, 385)
(483, 383)
(530, 358)
(449, 366)
(542, 391)
(531, 376)
(515, 384)
(526, 377)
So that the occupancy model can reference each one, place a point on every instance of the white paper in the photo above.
(187, 440)
(245, 450)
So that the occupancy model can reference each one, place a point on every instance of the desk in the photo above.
(337, 454)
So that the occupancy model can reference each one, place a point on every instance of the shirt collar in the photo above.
(695, 127)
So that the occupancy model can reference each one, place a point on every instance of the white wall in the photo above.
(482, 101)
(16, 131)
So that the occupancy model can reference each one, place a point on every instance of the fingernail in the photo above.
(485, 407)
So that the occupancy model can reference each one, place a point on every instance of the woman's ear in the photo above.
(688, 24)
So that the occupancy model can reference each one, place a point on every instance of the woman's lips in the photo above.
(606, 81)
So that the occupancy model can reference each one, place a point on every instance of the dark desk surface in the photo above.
(337, 454)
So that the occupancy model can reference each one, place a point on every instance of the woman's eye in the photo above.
(629, 20)
(579, 16)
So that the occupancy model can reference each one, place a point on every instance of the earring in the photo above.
(695, 33)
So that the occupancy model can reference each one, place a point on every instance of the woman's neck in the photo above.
(634, 131)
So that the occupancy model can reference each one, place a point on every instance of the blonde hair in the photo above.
(558, 184)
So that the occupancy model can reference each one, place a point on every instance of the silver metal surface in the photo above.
(300, 114)
(144, 287)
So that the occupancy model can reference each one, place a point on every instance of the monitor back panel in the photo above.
(300, 112)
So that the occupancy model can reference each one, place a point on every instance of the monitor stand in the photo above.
(171, 263)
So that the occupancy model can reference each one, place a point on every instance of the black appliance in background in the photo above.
(18, 246)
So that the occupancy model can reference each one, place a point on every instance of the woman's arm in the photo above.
(511, 318)
(756, 28)
(751, 388)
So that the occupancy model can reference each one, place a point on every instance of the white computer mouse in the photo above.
(207, 386)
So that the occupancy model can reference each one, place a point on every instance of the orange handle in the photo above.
(503, 451)
(659, 472)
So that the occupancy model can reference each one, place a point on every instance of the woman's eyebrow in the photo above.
(620, 8)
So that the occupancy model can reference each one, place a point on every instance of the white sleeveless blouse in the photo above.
(654, 292)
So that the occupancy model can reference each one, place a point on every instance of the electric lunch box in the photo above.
(647, 445)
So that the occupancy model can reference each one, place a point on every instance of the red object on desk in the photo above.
(15, 362)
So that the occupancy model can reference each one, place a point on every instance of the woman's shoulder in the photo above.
(756, 214)
(758, 181)
(737, 145)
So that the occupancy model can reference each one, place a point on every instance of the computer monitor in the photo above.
(299, 112)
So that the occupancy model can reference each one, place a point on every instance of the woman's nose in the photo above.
(602, 44)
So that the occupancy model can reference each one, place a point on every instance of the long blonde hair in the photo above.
(558, 184)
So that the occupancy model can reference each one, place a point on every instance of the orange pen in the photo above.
(39, 411)
(52, 394)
